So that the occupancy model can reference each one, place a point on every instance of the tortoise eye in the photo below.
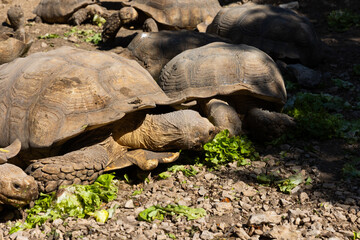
(16, 186)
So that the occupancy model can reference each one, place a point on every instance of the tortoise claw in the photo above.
(10, 151)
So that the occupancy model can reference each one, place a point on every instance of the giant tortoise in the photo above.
(279, 32)
(67, 11)
(154, 49)
(14, 42)
(168, 14)
(240, 78)
(73, 113)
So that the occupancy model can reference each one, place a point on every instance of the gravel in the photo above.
(237, 207)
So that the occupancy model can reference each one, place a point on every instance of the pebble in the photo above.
(303, 197)
(266, 217)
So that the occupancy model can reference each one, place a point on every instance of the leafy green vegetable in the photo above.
(343, 84)
(164, 175)
(352, 169)
(98, 20)
(291, 86)
(49, 36)
(137, 192)
(266, 179)
(100, 215)
(74, 200)
(224, 149)
(284, 185)
(179, 168)
(316, 115)
(86, 35)
(172, 236)
(308, 181)
(158, 212)
(342, 20)
(126, 177)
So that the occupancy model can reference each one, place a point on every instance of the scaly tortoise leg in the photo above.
(222, 115)
(10, 151)
(150, 25)
(78, 167)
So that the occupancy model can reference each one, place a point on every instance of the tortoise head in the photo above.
(16, 187)
(16, 17)
(128, 14)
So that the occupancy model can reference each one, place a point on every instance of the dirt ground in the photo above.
(342, 53)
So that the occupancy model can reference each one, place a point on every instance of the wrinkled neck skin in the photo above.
(16, 187)
(184, 129)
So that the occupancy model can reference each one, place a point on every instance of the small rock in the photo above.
(210, 176)
(57, 222)
(73, 39)
(44, 45)
(161, 237)
(258, 164)
(303, 197)
(240, 232)
(224, 206)
(282, 232)
(352, 218)
(202, 191)
(266, 217)
(129, 204)
(245, 205)
(284, 202)
(206, 235)
(350, 201)
(339, 216)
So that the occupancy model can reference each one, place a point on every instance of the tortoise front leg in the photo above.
(150, 25)
(222, 115)
(10, 151)
(78, 167)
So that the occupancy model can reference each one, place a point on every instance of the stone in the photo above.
(241, 233)
(224, 206)
(283, 232)
(339, 216)
(303, 197)
(202, 191)
(305, 76)
(210, 176)
(265, 217)
(129, 204)
(206, 235)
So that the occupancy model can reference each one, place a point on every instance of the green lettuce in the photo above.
(158, 212)
(224, 149)
(72, 201)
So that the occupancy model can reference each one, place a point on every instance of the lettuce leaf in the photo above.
(158, 212)
(75, 200)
